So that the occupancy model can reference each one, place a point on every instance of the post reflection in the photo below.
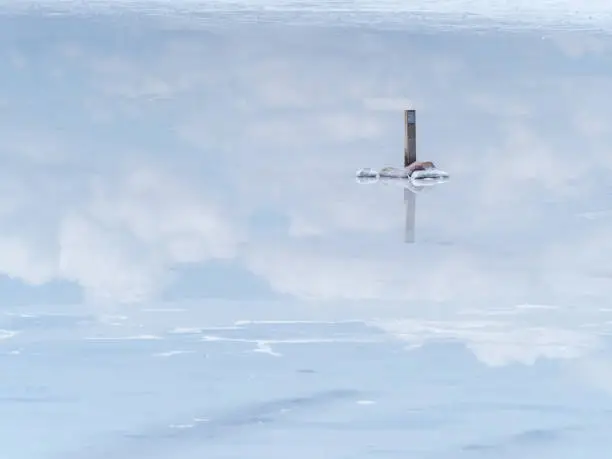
(410, 227)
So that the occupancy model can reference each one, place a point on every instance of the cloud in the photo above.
(578, 46)
(119, 238)
(177, 141)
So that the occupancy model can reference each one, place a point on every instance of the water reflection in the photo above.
(410, 202)
(178, 211)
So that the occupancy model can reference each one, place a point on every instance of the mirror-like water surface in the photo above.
(190, 269)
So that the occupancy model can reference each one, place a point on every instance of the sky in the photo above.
(180, 215)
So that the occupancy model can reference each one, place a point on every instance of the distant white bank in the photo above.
(564, 13)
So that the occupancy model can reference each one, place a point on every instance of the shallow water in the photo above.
(190, 268)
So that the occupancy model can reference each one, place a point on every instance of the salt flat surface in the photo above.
(464, 14)
(190, 270)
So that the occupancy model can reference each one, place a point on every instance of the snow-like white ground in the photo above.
(384, 13)
(190, 270)
(175, 383)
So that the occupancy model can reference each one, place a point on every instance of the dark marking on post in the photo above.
(409, 137)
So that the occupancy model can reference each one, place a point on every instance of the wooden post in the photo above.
(409, 137)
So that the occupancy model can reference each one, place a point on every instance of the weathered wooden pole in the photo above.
(409, 137)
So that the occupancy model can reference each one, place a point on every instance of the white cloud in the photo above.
(164, 211)
(134, 230)
(118, 238)
(426, 273)
(577, 46)
(22, 260)
(105, 263)
(285, 127)
(332, 128)
(30, 144)
(393, 104)
(496, 342)
(596, 371)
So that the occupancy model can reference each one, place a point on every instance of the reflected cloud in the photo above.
(126, 161)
